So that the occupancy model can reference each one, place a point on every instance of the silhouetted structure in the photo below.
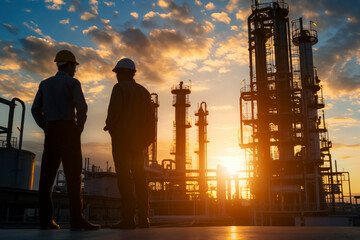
(17, 165)
(181, 125)
(153, 146)
(289, 159)
(202, 123)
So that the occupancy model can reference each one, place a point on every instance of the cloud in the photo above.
(197, 2)
(221, 17)
(160, 54)
(34, 27)
(210, 6)
(234, 48)
(17, 86)
(134, 15)
(234, 28)
(339, 45)
(221, 108)
(11, 28)
(342, 145)
(243, 13)
(343, 122)
(74, 28)
(86, 16)
(56, 4)
(36, 56)
(93, 13)
(232, 5)
(109, 4)
(177, 17)
(75, 5)
(64, 21)
(224, 70)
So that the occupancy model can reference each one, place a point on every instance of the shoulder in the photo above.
(75, 81)
(46, 81)
(143, 89)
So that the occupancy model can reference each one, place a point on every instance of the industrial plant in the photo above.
(290, 176)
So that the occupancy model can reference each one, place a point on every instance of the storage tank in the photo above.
(16, 165)
(17, 168)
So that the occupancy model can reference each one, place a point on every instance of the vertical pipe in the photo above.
(10, 124)
(22, 120)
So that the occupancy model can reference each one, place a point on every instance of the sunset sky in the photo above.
(171, 41)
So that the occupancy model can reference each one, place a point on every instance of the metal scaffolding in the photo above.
(288, 156)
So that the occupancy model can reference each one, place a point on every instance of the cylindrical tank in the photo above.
(16, 168)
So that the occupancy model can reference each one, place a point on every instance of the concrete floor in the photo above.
(185, 233)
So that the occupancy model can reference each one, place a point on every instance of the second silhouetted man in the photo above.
(131, 124)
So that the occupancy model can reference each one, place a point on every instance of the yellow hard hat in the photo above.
(65, 56)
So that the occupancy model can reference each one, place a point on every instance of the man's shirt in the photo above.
(131, 118)
(57, 99)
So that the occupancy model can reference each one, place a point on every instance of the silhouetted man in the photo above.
(54, 111)
(131, 123)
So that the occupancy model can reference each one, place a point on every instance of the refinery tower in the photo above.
(282, 130)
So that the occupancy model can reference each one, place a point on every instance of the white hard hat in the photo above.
(125, 63)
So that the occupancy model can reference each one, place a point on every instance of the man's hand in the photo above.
(80, 128)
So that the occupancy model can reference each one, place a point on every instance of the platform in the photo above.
(185, 233)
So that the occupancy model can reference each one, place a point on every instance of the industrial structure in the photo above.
(202, 123)
(17, 165)
(180, 147)
(286, 141)
(153, 147)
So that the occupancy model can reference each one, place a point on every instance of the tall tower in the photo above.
(202, 123)
(181, 125)
(312, 100)
(153, 147)
(272, 111)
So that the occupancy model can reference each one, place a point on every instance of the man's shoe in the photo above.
(84, 225)
(124, 225)
(50, 226)
(144, 223)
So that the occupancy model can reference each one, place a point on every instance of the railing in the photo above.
(14, 142)
(281, 4)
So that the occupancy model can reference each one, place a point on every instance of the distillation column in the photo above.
(261, 33)
(305, 39)
(202, 123)
(181, 103)
(155, 105)
(283, 80)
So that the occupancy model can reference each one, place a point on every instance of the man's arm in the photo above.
(150, 116)
(80, 105)
(113, 109)
(37, 107)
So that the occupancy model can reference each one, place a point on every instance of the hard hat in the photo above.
(125, 63)
(65, 56)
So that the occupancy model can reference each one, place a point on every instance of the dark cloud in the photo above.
(75, 5)
(151, 51)
(11, 28)
(99, 36)
(136, 40)
(179, 11)
(178, 16)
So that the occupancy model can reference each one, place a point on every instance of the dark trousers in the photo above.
(62, 144)
(131, 175)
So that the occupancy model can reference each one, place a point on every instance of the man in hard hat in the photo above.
(131, 124)
(54, 111)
